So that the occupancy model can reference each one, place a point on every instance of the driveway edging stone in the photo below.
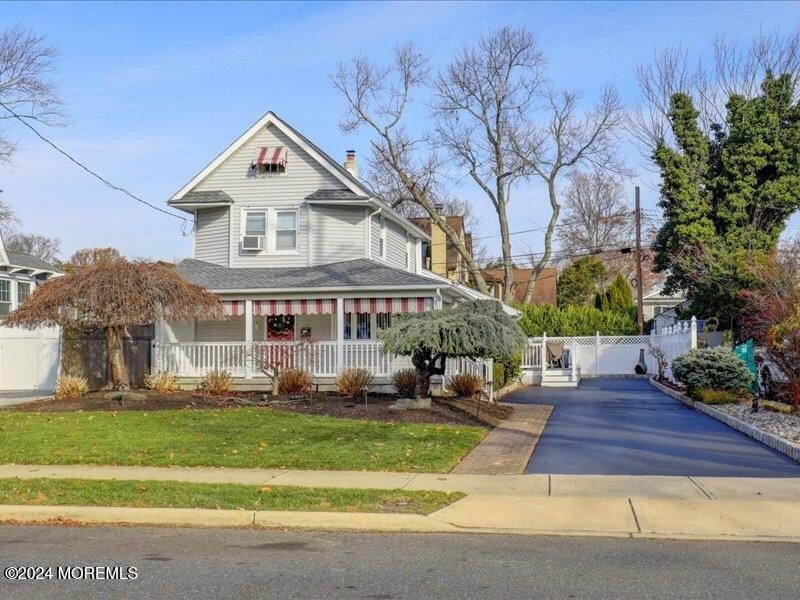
(768, 439)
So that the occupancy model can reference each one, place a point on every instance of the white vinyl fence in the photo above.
(600, 356)
(29, 359)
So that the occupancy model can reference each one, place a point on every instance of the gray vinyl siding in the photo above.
(338, 234)
(303, 177)
(395, 245)
(212, 235)
(231, 330)
(375, 238)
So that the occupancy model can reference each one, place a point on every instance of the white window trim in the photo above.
(270, 240)
(408, 252)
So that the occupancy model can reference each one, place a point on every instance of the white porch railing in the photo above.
(242, 359)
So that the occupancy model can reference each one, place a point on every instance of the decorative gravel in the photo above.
(785, 426)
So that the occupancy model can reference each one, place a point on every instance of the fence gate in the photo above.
(29, 359)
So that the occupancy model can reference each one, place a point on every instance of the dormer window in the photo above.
(269, 160)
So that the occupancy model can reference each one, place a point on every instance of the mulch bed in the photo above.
(446, 411)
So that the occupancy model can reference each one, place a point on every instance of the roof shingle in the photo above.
(361, 273)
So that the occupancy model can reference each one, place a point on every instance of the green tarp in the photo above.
(746, 352)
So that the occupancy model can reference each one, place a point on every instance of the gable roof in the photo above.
(349, 183)
(271, 118)
(353, 274)
(210, 197)
(27, 261)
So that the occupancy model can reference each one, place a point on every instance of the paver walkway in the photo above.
(507, 448)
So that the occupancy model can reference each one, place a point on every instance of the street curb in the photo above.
(316, 521)
(768, 439)
(223, 518)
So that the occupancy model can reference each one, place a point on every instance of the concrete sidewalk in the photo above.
(708, 508)
(555, 486)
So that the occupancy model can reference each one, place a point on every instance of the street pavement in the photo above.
(200, 564)
(627, 427)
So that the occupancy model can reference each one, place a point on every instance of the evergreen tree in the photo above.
(617, 298)
(578, 282)
(478, 329)
(726, 198)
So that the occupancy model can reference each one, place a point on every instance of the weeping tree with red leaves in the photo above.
(112, 296)
(771, 314)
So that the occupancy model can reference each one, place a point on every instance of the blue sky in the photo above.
(155, 90)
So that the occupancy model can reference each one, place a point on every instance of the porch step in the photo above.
(560, 378)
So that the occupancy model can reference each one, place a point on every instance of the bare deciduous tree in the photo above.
(568, 140)
(40, 246)
(597, 217)
(26, 64)
(86, 257)
(734, 68)
(483, 101)
(403, 166)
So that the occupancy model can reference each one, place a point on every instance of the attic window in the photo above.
(270, 160)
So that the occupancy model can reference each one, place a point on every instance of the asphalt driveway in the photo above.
(627, 427)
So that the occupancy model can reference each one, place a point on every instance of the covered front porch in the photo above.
(322, 335)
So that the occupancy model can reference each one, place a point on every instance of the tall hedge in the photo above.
(573, 320)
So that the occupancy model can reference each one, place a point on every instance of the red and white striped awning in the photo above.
(294, 307)
(270, 155)
(322, 306)
(388, 305)
(233, 308)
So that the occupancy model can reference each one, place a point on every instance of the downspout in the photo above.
(369, 221)
(438, 302)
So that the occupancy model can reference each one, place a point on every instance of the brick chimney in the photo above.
(350, 163)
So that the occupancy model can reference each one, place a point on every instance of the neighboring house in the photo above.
(544, 291)
(440, 255)
(298, 249)
(28, 358)
(657, 302)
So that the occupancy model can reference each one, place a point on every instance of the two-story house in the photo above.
(298, 248)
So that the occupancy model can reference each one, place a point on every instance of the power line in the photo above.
(559, 254)
(92, 172)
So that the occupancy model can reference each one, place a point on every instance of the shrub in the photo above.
(570, 321)
(217, 383)
(715, 396)
(295, 381)
(353, 381)
(711, 368)
(163, 381)
(69, 387)
(405, 382)
(466, 385)
(506, 370)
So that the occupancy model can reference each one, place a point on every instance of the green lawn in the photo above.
(173, 494)
(238, 437)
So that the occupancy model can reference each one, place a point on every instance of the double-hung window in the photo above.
(5, 297)
(285, 230)
(276, 228)
(255, 225)
(23, 291)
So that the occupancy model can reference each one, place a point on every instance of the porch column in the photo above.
(248, 338)
(339, 334)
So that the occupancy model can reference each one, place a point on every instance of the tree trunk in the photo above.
(548, 240)
(422, 364)
(119, 378)
(508, 263)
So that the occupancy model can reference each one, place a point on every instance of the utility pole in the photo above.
(639, 282)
